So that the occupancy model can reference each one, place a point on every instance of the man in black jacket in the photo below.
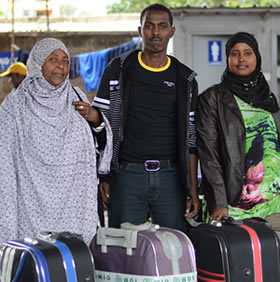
(149, 99)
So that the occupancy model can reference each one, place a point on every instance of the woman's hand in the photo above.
(105, 194)
(219, 214)
(87, 111)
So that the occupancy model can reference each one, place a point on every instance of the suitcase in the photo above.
(143, 253)
(51, 257)
(236, 251)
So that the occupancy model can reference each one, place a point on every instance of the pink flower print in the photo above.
(251, 194)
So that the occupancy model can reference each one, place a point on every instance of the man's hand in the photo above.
(193, 206)
(219, 214)
(105, 194)
(88, 112)
(193, 203)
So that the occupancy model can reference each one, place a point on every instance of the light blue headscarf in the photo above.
(48, 177)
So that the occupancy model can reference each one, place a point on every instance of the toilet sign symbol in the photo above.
(214, 51)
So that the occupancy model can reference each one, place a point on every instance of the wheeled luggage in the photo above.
(51, 257)
(143, 253)
(236, 251)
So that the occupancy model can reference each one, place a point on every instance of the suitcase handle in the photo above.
(140, 227)
(37, 256)
(193, 223)
(217, 223)
(226, 221)
(260, 220)
(116, 237)
(232, 221)
(52, 236)
(20, 266)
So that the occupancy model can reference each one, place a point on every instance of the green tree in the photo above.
(67, 10)
(130, 6)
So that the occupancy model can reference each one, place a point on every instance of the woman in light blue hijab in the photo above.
(48, 175)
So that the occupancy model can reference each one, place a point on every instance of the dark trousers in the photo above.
(136, 195)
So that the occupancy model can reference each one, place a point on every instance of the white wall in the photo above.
(206, 23)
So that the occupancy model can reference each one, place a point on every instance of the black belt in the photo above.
(149, 165)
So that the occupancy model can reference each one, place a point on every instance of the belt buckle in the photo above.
(152, 165)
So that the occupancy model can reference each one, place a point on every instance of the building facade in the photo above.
(199, 40)
(201, 34)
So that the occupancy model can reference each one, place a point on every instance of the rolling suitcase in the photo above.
(236, 251)
(52, 257)
(18, 257)
(143, 253)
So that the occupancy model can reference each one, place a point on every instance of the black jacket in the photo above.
(221, 146)
(113, 100)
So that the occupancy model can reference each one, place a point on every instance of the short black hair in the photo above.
(157, 7)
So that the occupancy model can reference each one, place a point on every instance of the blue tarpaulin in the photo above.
(89, 66)
(5, 58)
(92, 65)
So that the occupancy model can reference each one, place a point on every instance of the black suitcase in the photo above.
(82, 256)
(52, 257)
(236, 251)
(31, 260)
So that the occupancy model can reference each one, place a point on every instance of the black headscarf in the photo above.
(253, 89)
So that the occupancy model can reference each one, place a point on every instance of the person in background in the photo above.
(149, 98)
(16, 72)
(48, 164)
(238, 124)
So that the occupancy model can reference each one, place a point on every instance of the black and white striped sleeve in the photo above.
(192, 131)
(108, 84)
(192, 140)
(102, 99)
(100, 103)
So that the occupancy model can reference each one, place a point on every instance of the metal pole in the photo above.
(13, 33)
(47, 15)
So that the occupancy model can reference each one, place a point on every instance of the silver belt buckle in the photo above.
(152, 165)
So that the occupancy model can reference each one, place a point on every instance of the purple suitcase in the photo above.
(143, 253)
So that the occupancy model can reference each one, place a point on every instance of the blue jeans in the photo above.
(136, 195)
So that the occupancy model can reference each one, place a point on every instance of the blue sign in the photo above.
(214, 52)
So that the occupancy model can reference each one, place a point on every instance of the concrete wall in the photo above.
(76, 42)
(263, 23)
(190, 23)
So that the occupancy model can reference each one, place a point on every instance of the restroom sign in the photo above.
(214, 52)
